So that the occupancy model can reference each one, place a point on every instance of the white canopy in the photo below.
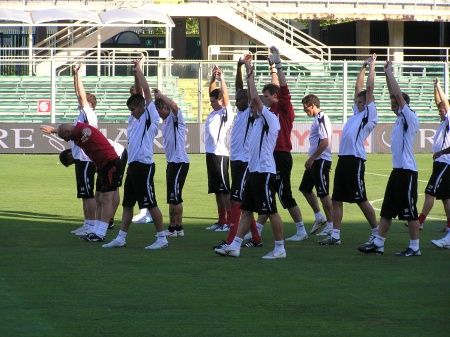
(134, 15)
(15, 15)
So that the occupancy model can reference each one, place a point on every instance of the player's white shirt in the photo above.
(262, 141)
(320, 129)
(240, 134)
(119, 148)
(402, 139)
(141, 133)
(356, 130)
(174, 138)
(441, 140)
(87, 115)
(217, 125)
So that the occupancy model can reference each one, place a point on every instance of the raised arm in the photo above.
(79, 87)
(359, 86)
(212, 80)
(252, 91)
(439, 95)
(370, 79)
(394, 88)
(273, 73)
(225, 96)
(167, 101)
(276, 59)
(238, 83)
(141, 82)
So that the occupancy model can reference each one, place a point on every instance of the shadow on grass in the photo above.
(20, 215)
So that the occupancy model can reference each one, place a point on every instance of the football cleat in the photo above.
(275, 255)
(326, 231)
(115, 244)
(92, 237)
(317, 225)
(158, 244)
(252, 244)
(213, 227)
(298, 237)
(222, 244)
(330, 241)
(441, 243)
(409, 252)
(227, 251)
(371, 248)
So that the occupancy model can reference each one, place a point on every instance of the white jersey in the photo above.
(240, 134)
(119, 148)
(356, 130)
(174, 138)
(441, 140)
(87, 115)
(320, 129)
(402, 139)
(262, 142)
(141, 133)
(217, 125)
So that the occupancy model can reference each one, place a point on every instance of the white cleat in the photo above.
(317, 225)
(213, 227)
(180, 233)
(275, 255)
(326, 231)
(79, 229)
(115, 244)
(143, 217)
(158, 244)
(222, 228)
(298, 237)
(441, 243)
(227, 251)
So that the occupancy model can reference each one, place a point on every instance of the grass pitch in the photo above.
(53, 284)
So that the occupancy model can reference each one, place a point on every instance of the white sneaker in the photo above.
(83, 231)
(275, 255)
(115, 244)
(370, 240)
(441, 243)
(222, 228)
(227, 251)
(158, 244)
(213, 227)
(298, 237)
(326, 231)
(317, 225)
(79, 229)
(180, 233)
(169, 234)
(144, 219)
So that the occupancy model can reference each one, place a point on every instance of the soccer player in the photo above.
(174, 141)
(317, 173)
(400, 197)
(239, 154)
(84, 168)
(142, 128)
(260, 187)
(278, 98)
(349, 185)
(108, 166)
(217, 125)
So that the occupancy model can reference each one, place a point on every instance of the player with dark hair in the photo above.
(217, 125)
(349, 184)
(400, 197)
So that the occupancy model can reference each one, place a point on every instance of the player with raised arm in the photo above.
(260, 187)
(400, 197)
(349, 184)
(139, 187)
(217, 125)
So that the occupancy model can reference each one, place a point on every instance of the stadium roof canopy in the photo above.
(83, 17)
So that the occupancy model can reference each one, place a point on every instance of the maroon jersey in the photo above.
(285, 112)
(96, 147)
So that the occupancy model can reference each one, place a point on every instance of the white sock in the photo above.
(318, 216)
(414, 244)
(447, 236)
(101, 228)
(259, 227)
(121, 236)
(300, 227)
(92, 226)
(374, 231)
(336, 234)
(236, 244)
(279, 246)
(379, 240)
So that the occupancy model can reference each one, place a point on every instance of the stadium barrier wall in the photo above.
(27, 138)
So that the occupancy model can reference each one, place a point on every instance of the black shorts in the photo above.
(400, 197)
(259, 193)
(123, 161)
(318, 176)
(85, 176)
(139, 186)
(349, 185)
(109, 177)
(239, 174)
(175, 177)
(218, 179)
(283, 162)
(439, 184)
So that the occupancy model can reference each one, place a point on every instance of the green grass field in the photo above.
(53, 284)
